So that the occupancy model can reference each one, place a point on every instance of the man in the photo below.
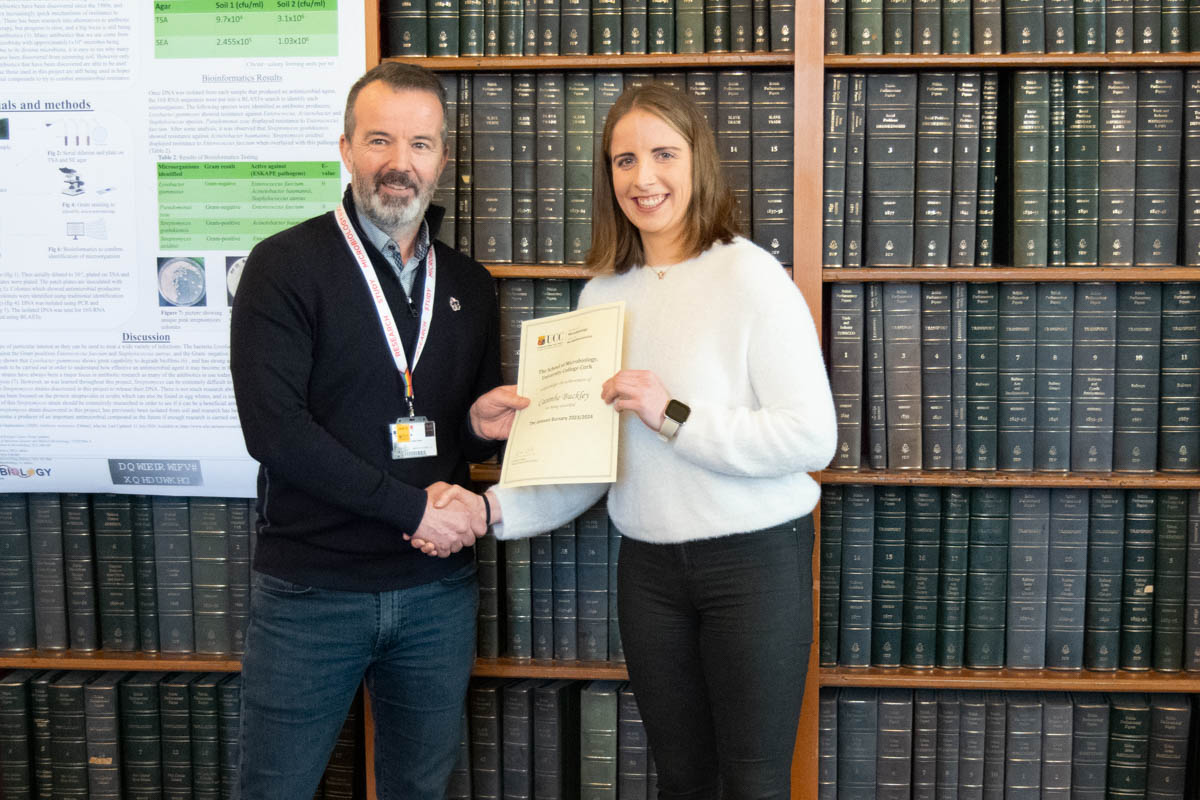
(365, 362)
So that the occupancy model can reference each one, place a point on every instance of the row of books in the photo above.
(1020, 578)
(1100, 163)
(523, 299)
(553, 740)
(904, 744)
(553, 596)
(138, 736)
(1086, 377)
(1013, 26)
(124, 573)
(518, 185)
(582, 27)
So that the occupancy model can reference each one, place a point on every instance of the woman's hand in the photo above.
(637, 390)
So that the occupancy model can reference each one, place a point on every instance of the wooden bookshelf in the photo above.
(1012, 679)
(105, 660)
(534, 668)
(998, 274)
(537, 271)
(660, 61)
(968, 478)
(1013, 61)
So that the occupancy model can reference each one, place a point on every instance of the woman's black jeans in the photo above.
(716, 636)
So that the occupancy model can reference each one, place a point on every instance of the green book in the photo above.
(1024, 26)
(79, 568)
(205, 735)
(16, 739)
(835, 27)
(470, 27)
(733, 137)
(404, 31)
(524, 169)
(100, 700)
(660, 26)
(173, 568)
(16, 586)
(518, 606)
(1159, 155)
(1031, 166)
(1174, 26)
(174, 714)
(1089, 26)
(556, 733)
(1128, 745)
(1082, 166)
(783, 23)
(987, 26)
(936, 94)
(549, 16)
(464, 227)
(956, 26)
(68, 734)
(987, 572)
(897, 26)
(229, 693)
(831, 573)
(492, 157)
(1170, 566)
(1105, 576)
(210, 574)
(1137, 592)
(985, 210)
(606, 27)
(550, 170)
(689, 26)
(1167, 765)
(921, 558)
(887, 592)
(1016, 354)
(857, 563)
(982, 378)
(865, 27)
(634, 18)
(491, 27)
(1060, 26)
(488, 566)
(443, 27)
(716, 26)
(890, 169)
(965, 197)
(112, 521)
(598, 740)
(575, 33)
(1117, 174)
(1118, 24)
(1056, 240)
(1179, 429)
(580, 146)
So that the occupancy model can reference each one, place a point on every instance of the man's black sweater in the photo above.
(317, 387)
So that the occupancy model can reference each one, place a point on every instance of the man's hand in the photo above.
(453, 519)
(491, 416)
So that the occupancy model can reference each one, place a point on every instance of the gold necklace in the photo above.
(661, 273)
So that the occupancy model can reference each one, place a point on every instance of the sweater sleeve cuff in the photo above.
(404, 506)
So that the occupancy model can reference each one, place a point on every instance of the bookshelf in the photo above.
(1007, 679)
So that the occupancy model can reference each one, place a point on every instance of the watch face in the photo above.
(678, 411)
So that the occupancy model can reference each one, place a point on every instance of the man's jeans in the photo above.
(307, 652)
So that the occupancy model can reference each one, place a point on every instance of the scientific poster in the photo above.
(145, 147)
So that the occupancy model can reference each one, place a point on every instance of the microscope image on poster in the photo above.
(181, 281)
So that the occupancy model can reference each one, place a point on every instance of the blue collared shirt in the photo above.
(406, 271)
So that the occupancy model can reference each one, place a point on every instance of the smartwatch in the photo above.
(675, 415)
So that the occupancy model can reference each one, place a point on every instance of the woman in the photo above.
(731, 408)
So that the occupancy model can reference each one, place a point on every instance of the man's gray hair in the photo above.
(398, 76)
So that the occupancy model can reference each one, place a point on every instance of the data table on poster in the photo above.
(236, 204)
(245, 28)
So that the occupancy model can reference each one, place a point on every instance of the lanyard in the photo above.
(386, 320)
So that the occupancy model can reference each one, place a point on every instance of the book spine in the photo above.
(1031, 168)
(79, 568)
(205, 738)
(145, 571)
(103, 737)
(934, 169)
(689, 26)
(835, 27)
(958, 375)
(716, 26)
(68, 735)
(1052, 374)
(598, 741)
(1023, 745)
(1089, 746)
(541, 593)
(846, 322)
(1118, 24)
(949, 723)
(857, 732)
(1060, 26)
(922, 550)
(857, 583)
(982, 378)
(16, 576)
(856, 149)
(606, 27)
(116, 586)
(936, 375)
(1128, 745)
(733, 135)
(741, 26)
(985, 212)
(580, 145)
(443, 27)
(1117, 172)
(902, 364)
(1167, 762)
(952, 578)
(897, 26)
(492, 167)
(1089, 26)
(827, 745)
(484, 708)
(445, 195)
(1137, 591)
(470, 27)
(1191, 631)
(987, 568)
(175, 719)
(1093, 378)
(210, 574)
(1175, 26)
(1082, 166)
(518, 606)
(987, 22)
(927, 27)
(516, 739)
(491, 27)
(173, 574)
(524, 169)
(574, 34)
(229, 691)
(834, 178)
(1147, 26)
(1179, 418)
(956, 26)
(1028, 550)
(1016, 353)
(1105, 578)
(1057, 714)
(890, 170)
(660, 22)
(404, 31)
(924, 744)
(487, 562)
(760, 11)
(566, 606)
(1170, 568)
(772, 129)
(16, 743)
(1158, 154)
(1024, 26)
(832, 500)
(893, 741)
(783, 23)
(1067, 572)
(972, 744)
(1191, 161)
(876, 376)
(591, 573)
(633, 753)
(995, 731)
(550, 169)
(634, 18)
(965, 183)
(464, 228)
(887, 591)
(1135, 411)
(1056, 239)
(549, 18)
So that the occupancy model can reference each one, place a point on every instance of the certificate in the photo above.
(567, 434)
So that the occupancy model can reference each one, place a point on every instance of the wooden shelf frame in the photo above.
(110, 660)
(1002, 274)
(1011, 679)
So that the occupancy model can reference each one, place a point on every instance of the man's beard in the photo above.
(392, 214)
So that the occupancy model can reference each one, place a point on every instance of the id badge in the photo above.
(412, 437)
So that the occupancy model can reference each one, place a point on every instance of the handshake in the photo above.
(454, 519)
